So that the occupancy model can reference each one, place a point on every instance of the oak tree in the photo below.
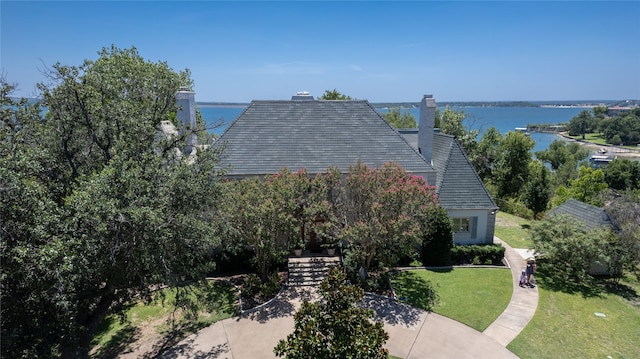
(97, 209)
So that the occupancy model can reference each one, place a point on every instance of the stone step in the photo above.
(307, 271)
(311, 265)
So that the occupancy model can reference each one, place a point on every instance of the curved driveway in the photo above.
(413, 333)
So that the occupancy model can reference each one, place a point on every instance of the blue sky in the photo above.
(380, 51)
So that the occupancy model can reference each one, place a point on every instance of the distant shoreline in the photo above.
(570, 106)
(221, 104)
(617, 151)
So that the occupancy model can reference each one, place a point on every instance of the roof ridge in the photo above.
(235, 120)
(402, 137)
(446, 167)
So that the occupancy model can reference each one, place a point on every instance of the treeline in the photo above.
(460, 104)
(528, 184)
(622, 129)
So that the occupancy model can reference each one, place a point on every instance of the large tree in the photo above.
(399, 119)
(96, 208)
(512, 169)
(537, 190)
(623, 129)
(451, 122)
(561, 152)
(622, 174)
(335, 327)
(581, 124)
(382, 209)
(487, 153)
(624, 212)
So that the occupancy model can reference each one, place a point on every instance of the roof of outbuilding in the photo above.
(457, 183)
(589, 215)
(314, 135)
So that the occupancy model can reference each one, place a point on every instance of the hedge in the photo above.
(488, 254)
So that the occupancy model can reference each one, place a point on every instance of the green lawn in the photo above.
(565, 325)
(473, 296)
(598, 139)
(513, 230)
(208, 304)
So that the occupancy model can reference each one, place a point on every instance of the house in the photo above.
(315, 134)
(591, 217)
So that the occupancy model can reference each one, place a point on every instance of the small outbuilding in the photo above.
(591, 217)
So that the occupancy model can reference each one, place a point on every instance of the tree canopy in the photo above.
(334, 95)
(400, 119)
(512, 169)
(567, 249)
(96, 208)
(382, 209)
(335, 327)
(451, 122)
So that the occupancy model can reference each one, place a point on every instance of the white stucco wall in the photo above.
(481, 236)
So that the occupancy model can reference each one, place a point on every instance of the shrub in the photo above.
(437, 243)
(488, 254)
(515, 207)
(254, 285)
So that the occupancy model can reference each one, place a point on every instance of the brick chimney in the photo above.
(425, 126)
(186, 102)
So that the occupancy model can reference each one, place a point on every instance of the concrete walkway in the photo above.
(413, 333)
(523, 304)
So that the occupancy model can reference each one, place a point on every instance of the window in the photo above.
(461, 225)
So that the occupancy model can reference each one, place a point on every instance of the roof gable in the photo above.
(457, 183)
(589, 215)
(314, 135)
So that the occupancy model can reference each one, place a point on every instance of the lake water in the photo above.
(504, 119)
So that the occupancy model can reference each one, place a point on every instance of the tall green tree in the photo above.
(113, 209)
(537, 190)
(451, 122)
(623, 129)
(599, 112)
(512, 170)
(588, 186)
(334, 95)
(560, 153)
(581, 124)
(399, 119)
(335, 327)
(622, 174)
(487, 154)
(624, 251)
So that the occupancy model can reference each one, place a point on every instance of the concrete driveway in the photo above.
(413, 333)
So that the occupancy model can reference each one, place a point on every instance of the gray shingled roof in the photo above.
(457, 183)
(314, 135)
(590, 216)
